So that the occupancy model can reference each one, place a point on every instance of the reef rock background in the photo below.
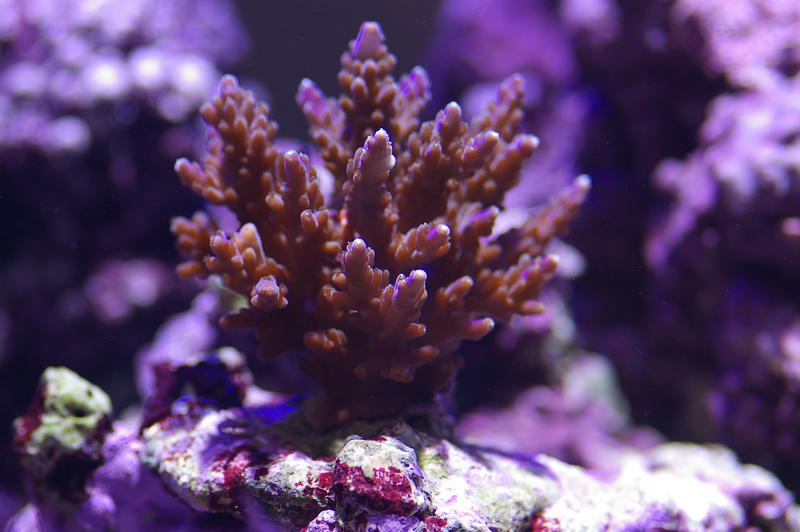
(680, 111)
(681, 272)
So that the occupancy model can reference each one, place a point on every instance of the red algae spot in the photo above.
(325, 480)
(319, 488)
(260, 471)
(541, 524)
(388, 491)
(232, 463)
(235, 468)
(25, 425)
(435, 524)
(183, 416)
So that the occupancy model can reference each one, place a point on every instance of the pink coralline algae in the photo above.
(388, 490)
(252, 462)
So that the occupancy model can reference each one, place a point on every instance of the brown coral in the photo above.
(379, 284)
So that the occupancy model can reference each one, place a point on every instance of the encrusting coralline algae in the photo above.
(224, 449)
(377, 282)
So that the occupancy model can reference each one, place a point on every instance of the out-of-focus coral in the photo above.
(63, 61)
(622, 85)
(507, 33)
(597, 21)
(119, 287)
(724, 253)
(755, 400)
(690, 137)
(583, 421)
(754, 43)
(737, 198)
(180, 338)
(380, 283)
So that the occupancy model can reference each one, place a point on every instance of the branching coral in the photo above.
(380, 283)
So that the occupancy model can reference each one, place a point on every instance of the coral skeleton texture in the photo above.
(379, 283)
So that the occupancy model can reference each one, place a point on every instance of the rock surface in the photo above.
(248, 460)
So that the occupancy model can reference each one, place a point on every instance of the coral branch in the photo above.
(194, 238)
(420, 245)
(368, 199)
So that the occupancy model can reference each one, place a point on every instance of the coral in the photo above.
(737, 197)
(754, 43)
(728, 234)
(380, 282)
(480, 42)
(583, 421)
(62, 59)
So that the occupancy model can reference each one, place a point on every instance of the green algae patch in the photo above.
(68, 414)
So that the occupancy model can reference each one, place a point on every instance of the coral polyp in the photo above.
(380, 282)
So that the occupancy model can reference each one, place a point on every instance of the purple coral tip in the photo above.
(369, 42)
(582, 182)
